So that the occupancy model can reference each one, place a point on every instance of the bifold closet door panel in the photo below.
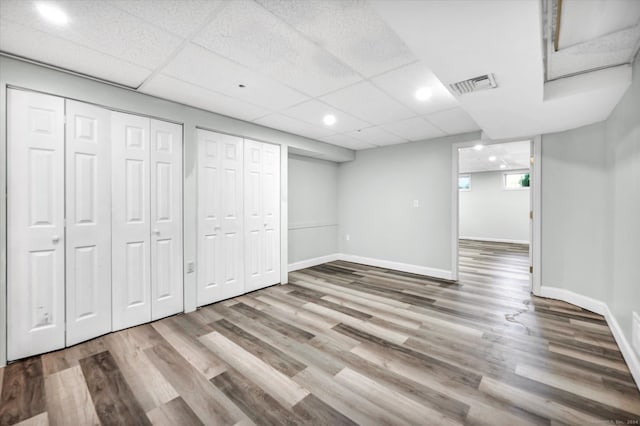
(131, 230)
(35, 231)
(271, 213)
(220, 217)
(262, 214)
(166, 219)
(88, 211)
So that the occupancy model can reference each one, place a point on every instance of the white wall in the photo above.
(490, 212)
(590, 211)
(313, 208)
(25, 75)
(376, 192)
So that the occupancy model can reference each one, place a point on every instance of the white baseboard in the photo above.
(398, 266)
(495, 240)
(593, 305)
(631, 358)
(387, 264)
(308, 263)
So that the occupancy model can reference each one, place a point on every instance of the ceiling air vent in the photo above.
(475, 84)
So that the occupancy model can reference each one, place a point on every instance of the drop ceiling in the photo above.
(494, 157)
(361, 61)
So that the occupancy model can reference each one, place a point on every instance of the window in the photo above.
(516, 180)
(464, 182)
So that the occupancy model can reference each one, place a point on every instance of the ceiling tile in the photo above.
(414, 129)
(291, 125)
(347, 142)
(403, 83)
(368, 103)
(453, 121)
(181, 17)
(42, 47)
(170, 88)
(349, 29)
(313, 111)
(250, 35)
(513, 155)
(203, 68)
(102, 27)
(376, 136)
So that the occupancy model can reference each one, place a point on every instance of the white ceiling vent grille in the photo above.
(483, 82)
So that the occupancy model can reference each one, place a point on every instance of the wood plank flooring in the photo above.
(345, 343)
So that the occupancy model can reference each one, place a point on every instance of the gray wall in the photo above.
(313, 208)
(491, 212)
(375, 203)
(25, 75)
(591, 209)
(575, 211)
(623, 149)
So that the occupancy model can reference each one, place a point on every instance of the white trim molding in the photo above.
(308, 263)
(380, 263)
(398, 266)
(495, 240)
(601, 308)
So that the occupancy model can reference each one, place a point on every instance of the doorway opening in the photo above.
(494, 232)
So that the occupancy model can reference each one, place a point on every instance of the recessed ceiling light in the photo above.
(503, 166)
(478, 147)
(329, 119)
(52, 13)
(423, 93)
(492, 158)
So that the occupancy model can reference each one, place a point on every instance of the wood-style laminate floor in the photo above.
(343, 344)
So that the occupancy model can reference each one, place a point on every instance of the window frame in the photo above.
(464, 175)
(515, 172)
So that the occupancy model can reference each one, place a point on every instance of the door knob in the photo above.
(265, 225)
(156, 231)
(216, 227)
(55, 238)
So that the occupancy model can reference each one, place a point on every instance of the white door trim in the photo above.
(534, 246)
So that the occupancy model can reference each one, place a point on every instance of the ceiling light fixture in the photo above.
(52, 13)
(478, 147)
(492, 158)
(423, 94)
(329, 119)
(503, 166)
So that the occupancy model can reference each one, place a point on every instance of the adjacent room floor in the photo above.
(345, 343)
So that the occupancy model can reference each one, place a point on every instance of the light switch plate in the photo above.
(635, 333)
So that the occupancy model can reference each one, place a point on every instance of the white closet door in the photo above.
(131, 253)
(88, 210)
(166, 219)
(220, 223)
(262, 214)
(271, 214)
(35, 274)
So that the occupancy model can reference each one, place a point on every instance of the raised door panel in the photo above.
(35, 215)
(220, 217)
(166, 219)
(88, 206)
(131, 220)
(254, 224)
